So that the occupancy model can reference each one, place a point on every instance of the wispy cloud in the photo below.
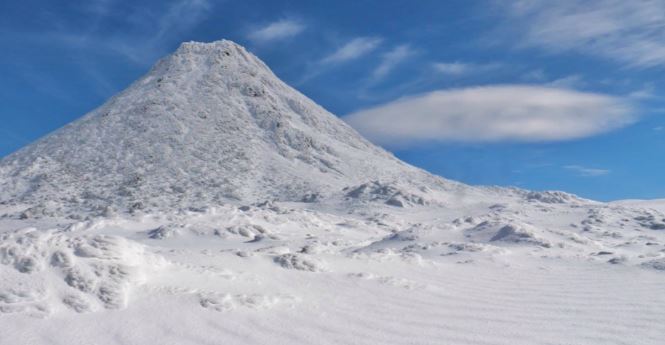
(353, 49)
(454, 68)
(574, 81)
(149, 39)
(461, 68)
(391, 59)
(172, 20)
(101, 8)
(630, 32)
(144, 34)
(141, 35)
(646, 92)
(537, 75)
(278, 30)
(586, 172)
(491, 114)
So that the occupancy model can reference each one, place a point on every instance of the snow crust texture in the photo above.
(65, 269)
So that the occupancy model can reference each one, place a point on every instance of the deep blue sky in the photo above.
(604, 62)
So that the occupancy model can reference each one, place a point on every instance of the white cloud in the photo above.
(455, 68)
(354, 49)
(586, 172)
(98, 7)
(172, 21)
(491, 114)
(646, 92)
(276, 31)
(535, 75)
(630, 32)
(391, 59)
(569, 82)
(460, 68)
(145, 34)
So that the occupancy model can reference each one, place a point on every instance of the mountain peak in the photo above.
(216, 51)
(223, 60)
(208, 47)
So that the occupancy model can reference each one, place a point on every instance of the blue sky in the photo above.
(537, 94)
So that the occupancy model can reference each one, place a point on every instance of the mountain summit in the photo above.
(209, 123)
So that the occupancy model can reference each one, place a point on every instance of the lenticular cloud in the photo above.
(493, 113)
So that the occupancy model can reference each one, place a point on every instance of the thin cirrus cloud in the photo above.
(148, 33)
(274, 31)
(492, 114)
(145, 34)
(574, 81)
(392, 59)
(586, 172)
(353, 49)
(630, 32)
(460, 68)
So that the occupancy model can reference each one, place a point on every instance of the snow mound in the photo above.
(299, 262)
(508, 232)
(251, 231)
(388, 193)
(163, 232)
(467, 247)
(552, 197)
(222, 302)
(388, 280)
(91, 272)
(657, 264)
(651, 220)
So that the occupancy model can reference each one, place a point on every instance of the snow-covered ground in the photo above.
(210, 203)
(658, 204)
(525, 272)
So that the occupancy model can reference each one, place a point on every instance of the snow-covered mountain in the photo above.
(209, 123)
(212, 203)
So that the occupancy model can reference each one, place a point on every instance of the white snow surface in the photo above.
(210, 203)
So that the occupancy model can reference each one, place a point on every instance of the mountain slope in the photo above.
(207, 124)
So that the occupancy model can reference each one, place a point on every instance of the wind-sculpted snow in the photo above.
(81, 272)
(254, 264)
